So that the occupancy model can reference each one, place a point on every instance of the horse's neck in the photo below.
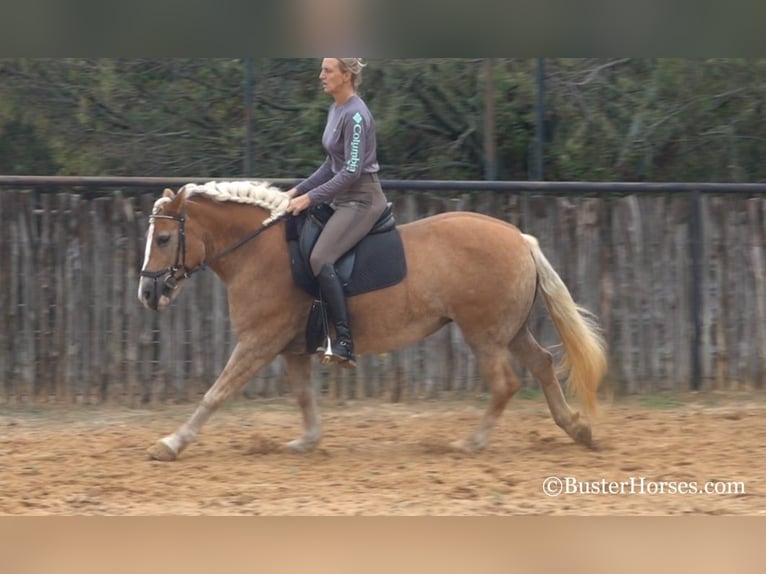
(227, 224)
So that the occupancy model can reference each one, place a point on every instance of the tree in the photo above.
(606, 119)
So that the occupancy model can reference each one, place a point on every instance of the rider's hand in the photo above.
(298, 204)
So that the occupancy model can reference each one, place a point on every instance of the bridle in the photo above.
(180, 265)
(172, 276)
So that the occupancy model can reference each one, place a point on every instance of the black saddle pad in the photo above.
(376, 262)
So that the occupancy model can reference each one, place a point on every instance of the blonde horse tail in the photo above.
(584, 359)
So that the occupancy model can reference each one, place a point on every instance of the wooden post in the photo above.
(695, 287)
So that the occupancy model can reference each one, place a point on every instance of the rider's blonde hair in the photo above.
(355, 66)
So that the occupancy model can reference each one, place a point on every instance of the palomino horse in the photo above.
(477, 271)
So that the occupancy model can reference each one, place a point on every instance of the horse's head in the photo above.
(174, 244)
(171, 252)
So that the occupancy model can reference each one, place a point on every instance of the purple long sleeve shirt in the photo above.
(350, 141)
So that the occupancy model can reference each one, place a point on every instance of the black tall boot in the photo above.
(342, 348)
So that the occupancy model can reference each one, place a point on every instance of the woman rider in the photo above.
(348, 180)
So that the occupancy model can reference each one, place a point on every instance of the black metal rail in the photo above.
(47, 183)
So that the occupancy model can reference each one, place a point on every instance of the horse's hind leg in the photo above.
(495, 368)
(540, 363)
(299, 378)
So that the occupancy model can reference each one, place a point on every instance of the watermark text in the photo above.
(639, 485)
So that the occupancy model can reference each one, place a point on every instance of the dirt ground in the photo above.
(386, 459)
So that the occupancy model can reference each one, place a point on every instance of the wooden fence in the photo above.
(72, 329)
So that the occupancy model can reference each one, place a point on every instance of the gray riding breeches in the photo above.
(355, 213)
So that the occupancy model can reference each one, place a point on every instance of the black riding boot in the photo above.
(342, 348)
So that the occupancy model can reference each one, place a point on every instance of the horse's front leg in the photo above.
(299, 377)
(243, 362)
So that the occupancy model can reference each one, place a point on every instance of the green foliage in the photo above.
(621, 119)
(23, 152)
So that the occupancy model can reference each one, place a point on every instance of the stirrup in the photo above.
(328, 356)
(325, 350)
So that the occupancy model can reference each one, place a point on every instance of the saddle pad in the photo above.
(375, 263)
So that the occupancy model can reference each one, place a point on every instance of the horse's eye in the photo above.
(163, 240)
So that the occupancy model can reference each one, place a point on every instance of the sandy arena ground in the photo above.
(384, 459)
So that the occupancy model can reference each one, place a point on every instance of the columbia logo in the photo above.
(356, 137)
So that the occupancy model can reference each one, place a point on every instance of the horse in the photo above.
(477, 271)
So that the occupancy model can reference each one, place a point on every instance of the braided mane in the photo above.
(258, 193)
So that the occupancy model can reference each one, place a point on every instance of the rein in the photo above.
(180, 265)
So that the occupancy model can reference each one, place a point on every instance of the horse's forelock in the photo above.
(159, 203)
(169, 197)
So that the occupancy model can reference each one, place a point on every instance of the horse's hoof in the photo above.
(162, 452)
(467, 446)
(582, 435)
(298, 446)
(459, 446)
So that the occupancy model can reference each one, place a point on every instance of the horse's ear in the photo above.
(168, 193)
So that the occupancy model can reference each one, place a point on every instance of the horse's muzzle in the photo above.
(156, 292)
